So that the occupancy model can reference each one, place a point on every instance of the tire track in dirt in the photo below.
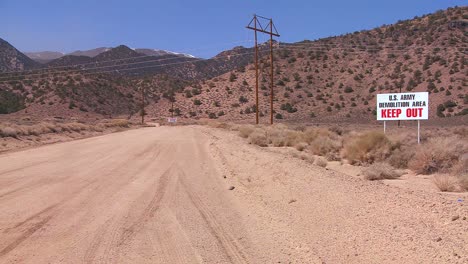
(232, 249)
(153, 206)
(23, 167)
(47, 181)
(111, 230)
(49, 211)
(169, 236)
(25, 235)
(131, 224)
(45, 215)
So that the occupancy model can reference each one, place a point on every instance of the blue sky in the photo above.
(200, 27)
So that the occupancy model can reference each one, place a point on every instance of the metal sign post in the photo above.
(418, 132)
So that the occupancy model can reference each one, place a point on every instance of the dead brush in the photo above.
(301, 146)
(258, 137)
(368, 147)
(326, 146)
(311, 134)
(381, 171)
(463, 182)
(246, 130)
(446, 183)
(321, 162)
(293, 138)
(461, 171)
(117, 123)
(277, 135)
(304, 156)
(221, 125)
(8, 132)
(437, 155)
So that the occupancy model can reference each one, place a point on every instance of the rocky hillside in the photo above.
(13, 60)
(338, 78)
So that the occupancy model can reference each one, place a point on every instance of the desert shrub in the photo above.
(258, 137)
(367, 148)
(8, 132)
(304, 156)
(321, 161)
(463, 182)
(438, 154)
(325, 146)
(292, 138)
(98, 128)
(74, 127)
(380, 171)
(400, 157)
(301, 146)
(310, 134)
(118, 123)
(461, 167)
(221, 125)
(446, 183)
(281, 136)
(245, 131)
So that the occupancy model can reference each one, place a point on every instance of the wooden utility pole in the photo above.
(271, 71)
(142, 105)
(268, 29)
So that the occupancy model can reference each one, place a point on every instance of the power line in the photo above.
(351, 49)
(314, 44)
(374, 52)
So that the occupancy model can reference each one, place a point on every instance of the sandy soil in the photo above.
(165, 195)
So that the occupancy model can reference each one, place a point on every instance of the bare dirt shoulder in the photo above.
(314, 211)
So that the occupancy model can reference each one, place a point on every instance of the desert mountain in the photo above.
(47, 56)
(44, 56)
(89, 53)
(12, 59)
(155, 52)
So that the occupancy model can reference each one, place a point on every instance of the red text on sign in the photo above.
(414, 112)
(391, 113)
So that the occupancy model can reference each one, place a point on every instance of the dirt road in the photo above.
(161, 195)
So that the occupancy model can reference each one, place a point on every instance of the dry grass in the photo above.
(367, 148)
(15, 130)
(301, 146)
(438, 155)
(446, 183)
(463, 182)
(443, 150)
(401, 156)
(381, 171)
(304, 156)
(118, 123)
(259, 138)
(245, 130)
(326, 146)
(321, 161)
(222, 125)
(8, 132)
